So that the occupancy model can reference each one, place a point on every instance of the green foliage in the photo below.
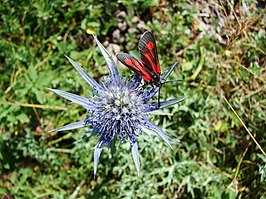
(221, 50)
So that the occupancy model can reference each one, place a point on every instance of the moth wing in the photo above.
(148, 51)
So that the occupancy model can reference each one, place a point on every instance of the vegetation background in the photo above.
(221, 48)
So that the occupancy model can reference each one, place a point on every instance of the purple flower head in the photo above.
(118, 108)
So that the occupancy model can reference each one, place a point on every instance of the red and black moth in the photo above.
(148, 67)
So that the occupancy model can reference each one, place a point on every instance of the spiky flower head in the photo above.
(118, 107)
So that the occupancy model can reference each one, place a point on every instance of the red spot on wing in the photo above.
(150, 45)
(158, 68)
(145, 75)
(147, 78)
(155, 67)
(128, 62)
(138, 66)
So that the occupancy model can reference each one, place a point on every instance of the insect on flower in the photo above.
(119, 107)
(148, 67)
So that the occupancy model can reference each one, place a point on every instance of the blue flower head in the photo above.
(118, 108)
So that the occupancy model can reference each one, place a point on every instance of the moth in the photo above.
(148, 67)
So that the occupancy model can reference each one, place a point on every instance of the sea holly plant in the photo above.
(118, 107)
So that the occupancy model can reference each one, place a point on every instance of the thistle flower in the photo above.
(118, 107)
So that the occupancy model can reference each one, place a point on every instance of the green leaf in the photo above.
(187, 66)
(23, 118)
